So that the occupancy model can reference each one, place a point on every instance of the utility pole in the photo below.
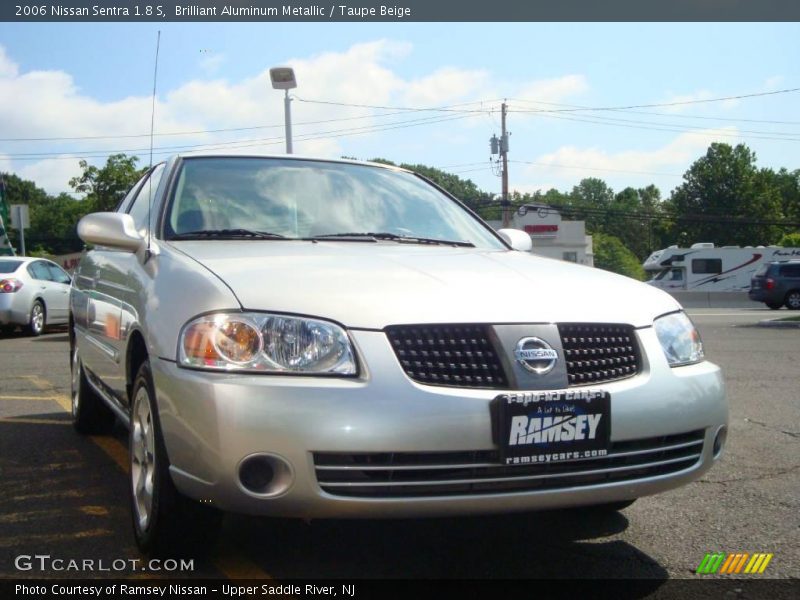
(504, 157)
(500, 146)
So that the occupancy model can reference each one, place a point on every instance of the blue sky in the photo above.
(79, 80)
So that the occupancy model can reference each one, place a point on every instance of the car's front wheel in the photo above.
(164, 521)
(793, 300)
(36, 320)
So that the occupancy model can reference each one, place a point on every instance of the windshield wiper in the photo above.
(401, 239)
(227, 233)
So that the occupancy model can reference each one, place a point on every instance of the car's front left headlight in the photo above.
(267, 343)
(679, 339)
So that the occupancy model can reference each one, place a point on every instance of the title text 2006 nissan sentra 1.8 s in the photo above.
(315, 338)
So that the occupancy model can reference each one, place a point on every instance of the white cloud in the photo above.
(49, 104)
(555, 90)
(210, 62)
(571, 163)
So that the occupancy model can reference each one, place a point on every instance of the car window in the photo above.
(142, 203)
(707, 266)
(57, 274)
(790, 271)
(303, 198)
(126, 201)
(39, 270)
(9, 266)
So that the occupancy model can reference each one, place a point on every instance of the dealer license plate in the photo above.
(552, 426)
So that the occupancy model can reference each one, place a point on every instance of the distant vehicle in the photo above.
(776, 284)
(34, 293)
(706, 268)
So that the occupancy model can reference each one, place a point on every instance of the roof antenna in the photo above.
(152, 128)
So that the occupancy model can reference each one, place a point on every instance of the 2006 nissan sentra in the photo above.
(314, 338)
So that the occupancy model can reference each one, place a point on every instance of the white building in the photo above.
(552, 237)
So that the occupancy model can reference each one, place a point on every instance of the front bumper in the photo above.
(212, 421)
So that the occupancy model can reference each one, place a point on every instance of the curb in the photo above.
(778, 324)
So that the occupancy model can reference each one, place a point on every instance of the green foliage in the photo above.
(790, 240)
(726, 183)
(610, 254)
(105, 187)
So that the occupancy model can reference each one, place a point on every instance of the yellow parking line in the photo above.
(43, 539)
(113, 448)
(33, 421)
(7, 397)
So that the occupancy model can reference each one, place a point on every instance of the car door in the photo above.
(96, 308)
(48, 291)
(119, 291)
(60, 282)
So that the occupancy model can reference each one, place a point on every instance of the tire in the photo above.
(164, 521)
(89, 413)
(773, 305)
(37, 319)
(793, 300)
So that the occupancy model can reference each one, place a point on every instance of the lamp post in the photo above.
(283, 79)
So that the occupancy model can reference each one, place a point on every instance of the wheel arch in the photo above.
(134, 357)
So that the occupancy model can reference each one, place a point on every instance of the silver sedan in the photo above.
(34, 293)
(315, 338)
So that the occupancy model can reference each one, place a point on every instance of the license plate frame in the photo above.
(551, 426)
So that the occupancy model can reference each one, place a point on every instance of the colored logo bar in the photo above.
(734, 563)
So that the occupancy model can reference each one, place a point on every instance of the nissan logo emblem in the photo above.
(535, 355)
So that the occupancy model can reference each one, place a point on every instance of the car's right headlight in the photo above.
(267, 343)
(679, 339)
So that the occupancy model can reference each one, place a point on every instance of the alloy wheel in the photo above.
(143, 467)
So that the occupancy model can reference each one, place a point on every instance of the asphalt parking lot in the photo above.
(65, 495)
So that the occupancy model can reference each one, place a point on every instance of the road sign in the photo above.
(19, 215)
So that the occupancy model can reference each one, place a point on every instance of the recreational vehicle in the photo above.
(706, 268)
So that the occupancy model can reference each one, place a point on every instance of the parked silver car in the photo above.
(34, 293)
(314, 338)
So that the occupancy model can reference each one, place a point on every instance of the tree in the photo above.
(790, 240)
(106, 186)
(725, 184)
(610, 254)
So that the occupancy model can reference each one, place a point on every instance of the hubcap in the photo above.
(75, 381)
(793, 301)
(37, 318)
(142, 458)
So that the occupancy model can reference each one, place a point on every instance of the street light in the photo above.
(283, 79)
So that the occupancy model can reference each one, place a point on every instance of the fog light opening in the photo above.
(265, 475)
(719, 441)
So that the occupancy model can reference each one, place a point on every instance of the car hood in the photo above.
(372, 285)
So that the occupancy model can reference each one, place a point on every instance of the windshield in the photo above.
(289, 198)
(9, 266)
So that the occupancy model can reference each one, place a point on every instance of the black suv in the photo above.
(776, 284)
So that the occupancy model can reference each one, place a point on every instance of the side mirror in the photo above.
(517, 239)
(114, 230)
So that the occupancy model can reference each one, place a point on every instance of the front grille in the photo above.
(453, 355)
(465, 356)
(418, 474)
(597, 353)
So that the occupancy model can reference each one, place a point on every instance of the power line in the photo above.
(687, 130)
(225, 130)
(558, 166)
(677, 103)
(404, 108)
(241, 144)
